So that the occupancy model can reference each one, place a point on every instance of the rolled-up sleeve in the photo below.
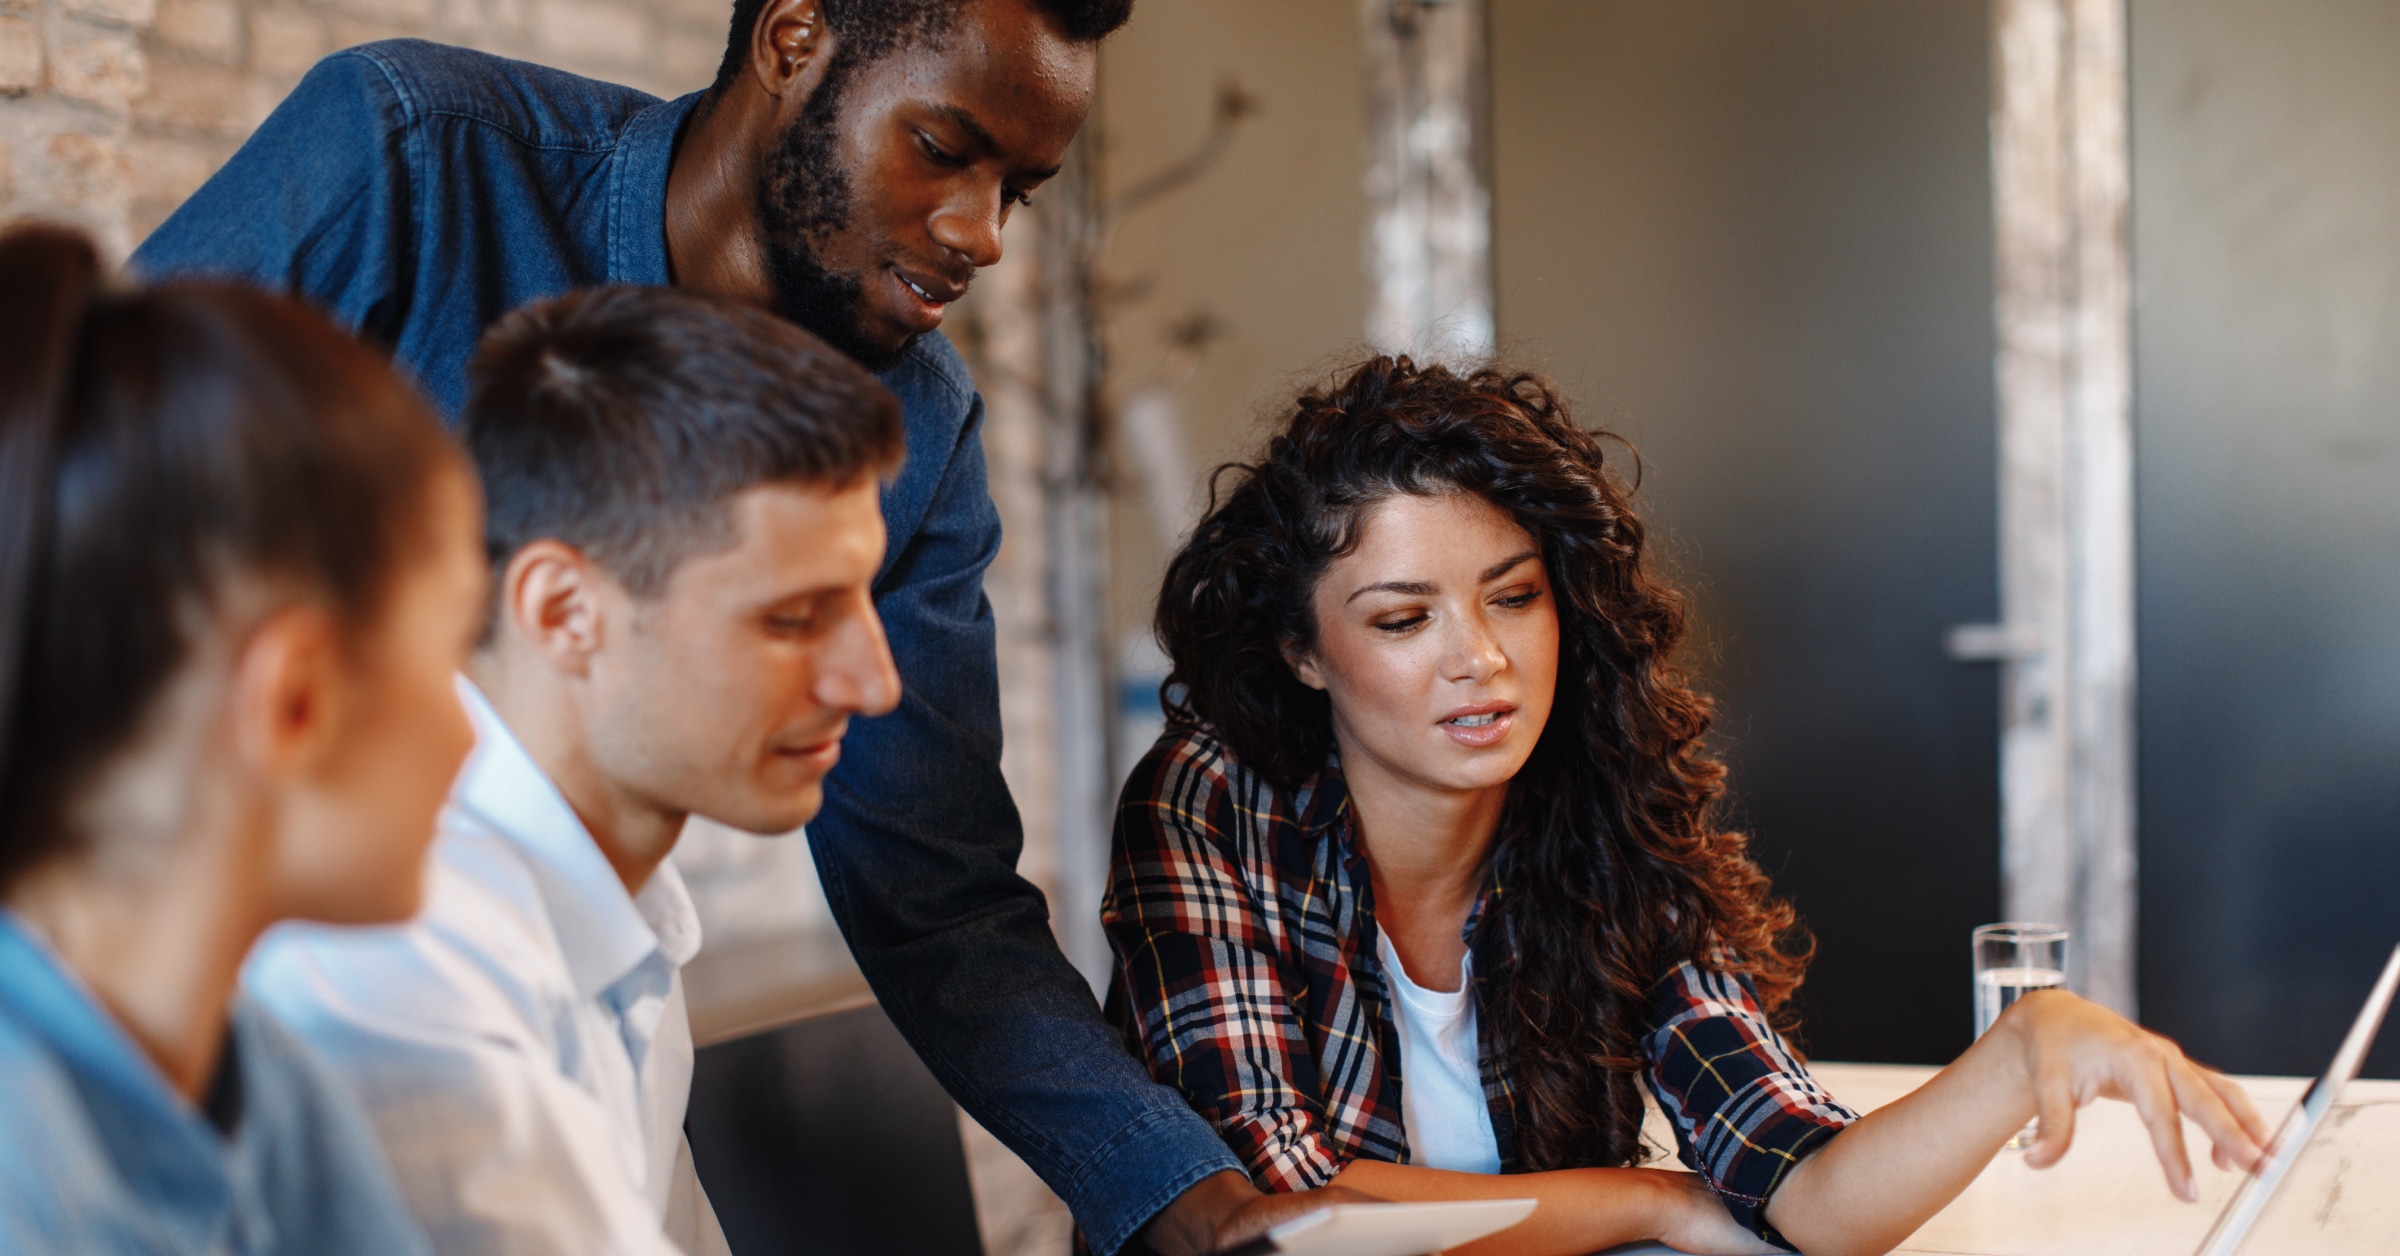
(1744, 1107)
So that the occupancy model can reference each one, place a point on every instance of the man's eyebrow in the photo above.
(981, 139)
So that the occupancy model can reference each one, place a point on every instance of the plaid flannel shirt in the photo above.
(1247, 977)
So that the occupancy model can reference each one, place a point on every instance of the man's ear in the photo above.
(1303, 664)
(289, 690)
(789, 48)
(550, 602)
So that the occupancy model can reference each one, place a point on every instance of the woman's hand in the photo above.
(2074, 1052)
(1692, 1219)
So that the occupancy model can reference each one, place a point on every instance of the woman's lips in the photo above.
(1484, 727)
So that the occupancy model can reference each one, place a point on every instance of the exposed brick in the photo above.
(86, 171)
(482, 22)
(198, 96)
(169, 168)
(212, 28)
(592, 30)
(97, 65)
(715, 15)
(284, 41)
(124, 12)
(688, 60)
(414, 14)
(20, 54)
(349, 32)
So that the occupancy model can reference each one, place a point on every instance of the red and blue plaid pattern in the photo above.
(1247, 978)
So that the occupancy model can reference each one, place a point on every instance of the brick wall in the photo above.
(113, 111)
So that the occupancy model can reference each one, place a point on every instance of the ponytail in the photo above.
(157, 446)
(54, 273)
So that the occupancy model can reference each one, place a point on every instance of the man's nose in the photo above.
(970, 229)
(854, 668)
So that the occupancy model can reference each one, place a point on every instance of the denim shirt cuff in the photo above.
(1133, 1177)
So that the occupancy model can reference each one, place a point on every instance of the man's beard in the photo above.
(804, 199)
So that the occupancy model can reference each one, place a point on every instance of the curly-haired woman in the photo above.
(1422, 883)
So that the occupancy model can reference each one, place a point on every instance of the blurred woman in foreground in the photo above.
(1422, 884)
(239, 564)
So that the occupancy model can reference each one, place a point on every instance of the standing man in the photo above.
(850, 168)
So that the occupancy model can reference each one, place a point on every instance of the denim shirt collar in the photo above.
(198, 1183)
(637, 191)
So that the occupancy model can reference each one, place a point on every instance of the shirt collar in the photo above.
(605, 932)
(1328, 806)
(637, 191)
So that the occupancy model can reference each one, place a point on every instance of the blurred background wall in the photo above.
(1755, 237)
(2266, 243)
(1755, 240)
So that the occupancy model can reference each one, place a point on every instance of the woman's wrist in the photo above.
(1666, 1203)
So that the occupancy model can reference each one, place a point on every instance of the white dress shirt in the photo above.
(522, 1046)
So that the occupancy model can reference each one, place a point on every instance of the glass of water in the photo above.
(2011, 959)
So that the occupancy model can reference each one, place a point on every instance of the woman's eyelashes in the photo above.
(1396, 622)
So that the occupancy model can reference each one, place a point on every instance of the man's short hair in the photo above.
(622, 420)
(870, 30)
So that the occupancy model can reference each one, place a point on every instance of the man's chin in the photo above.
(830, 312)
(773, 816)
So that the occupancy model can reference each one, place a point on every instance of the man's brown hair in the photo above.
(621, 421)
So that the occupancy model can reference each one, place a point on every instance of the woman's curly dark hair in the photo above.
(1610, 866)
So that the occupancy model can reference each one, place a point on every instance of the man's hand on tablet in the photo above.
(1224, 1211)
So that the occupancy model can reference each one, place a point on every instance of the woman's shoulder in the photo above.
(1191, 777)
(1189, 758)
(318, 1165)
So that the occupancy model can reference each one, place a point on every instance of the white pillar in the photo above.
(2060, 181)
(1429, 234)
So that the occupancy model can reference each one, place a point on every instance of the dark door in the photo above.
(2266, 245)
(1755, 238)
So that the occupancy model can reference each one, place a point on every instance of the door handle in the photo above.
(1992, 643)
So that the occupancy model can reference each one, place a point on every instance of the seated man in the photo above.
(683, 523)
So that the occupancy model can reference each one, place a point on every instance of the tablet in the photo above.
(2243, 1209)
(1390, 1229)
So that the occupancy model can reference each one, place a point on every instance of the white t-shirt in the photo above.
(1448, 1123)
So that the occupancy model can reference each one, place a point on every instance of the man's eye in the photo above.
(792, 624)
(1011, 196)
(939, 154)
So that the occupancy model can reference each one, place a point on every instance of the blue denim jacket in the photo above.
(98, 1157)
(419, 192)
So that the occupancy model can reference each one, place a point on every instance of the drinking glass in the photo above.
(2010, 959)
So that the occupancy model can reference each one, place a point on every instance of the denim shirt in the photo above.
(99, 1157)
(419, 192)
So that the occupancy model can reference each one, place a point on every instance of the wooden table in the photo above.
(2109, 1198)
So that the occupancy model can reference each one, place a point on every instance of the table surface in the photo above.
(2107, 1197)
